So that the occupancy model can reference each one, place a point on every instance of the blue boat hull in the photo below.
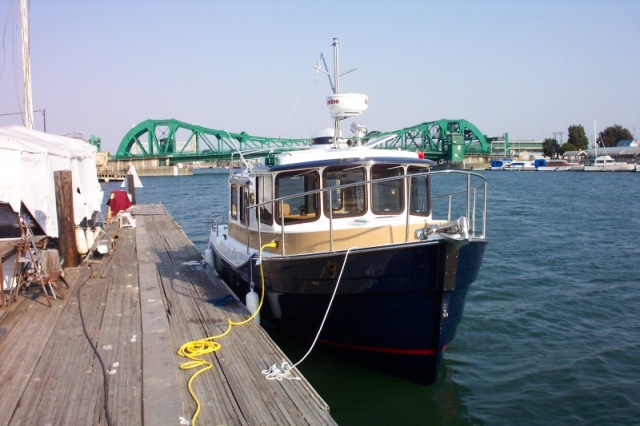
(396, 308)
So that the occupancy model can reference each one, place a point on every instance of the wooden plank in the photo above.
(161, 398)
(148, 209)
(121, 332)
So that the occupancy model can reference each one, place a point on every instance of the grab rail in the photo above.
(470, 192)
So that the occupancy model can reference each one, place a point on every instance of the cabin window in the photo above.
(302, 208)
(244, 205)
(234, 202)
(387, 197)
(349, 201)
(419, 203)
(264, 191)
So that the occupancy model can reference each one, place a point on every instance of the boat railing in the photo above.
(469, 200)
(247, 155)
(218, 219)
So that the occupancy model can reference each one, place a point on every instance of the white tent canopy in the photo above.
(28, 159)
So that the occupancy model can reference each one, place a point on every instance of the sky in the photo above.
(529, 68)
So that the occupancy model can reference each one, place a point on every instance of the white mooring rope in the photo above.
(276, 372)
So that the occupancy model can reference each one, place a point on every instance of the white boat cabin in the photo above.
(327, 191)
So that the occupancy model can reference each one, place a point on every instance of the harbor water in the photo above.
(551, 328)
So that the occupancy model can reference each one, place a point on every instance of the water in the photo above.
(551, 329)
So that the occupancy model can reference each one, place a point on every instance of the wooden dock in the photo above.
(107, 352)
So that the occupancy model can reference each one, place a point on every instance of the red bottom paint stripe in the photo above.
(396, 351)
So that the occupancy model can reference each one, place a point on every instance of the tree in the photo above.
(613, 134)
(577, 137)
(566, 147)
(550, 147)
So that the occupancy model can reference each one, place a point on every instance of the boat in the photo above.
(555, 165)
(604, 163)
(521, 166)
(637, 165)
(499, 164)
(366, 251)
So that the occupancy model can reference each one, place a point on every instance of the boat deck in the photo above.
(137, 306)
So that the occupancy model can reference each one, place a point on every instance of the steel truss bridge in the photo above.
(180, 142)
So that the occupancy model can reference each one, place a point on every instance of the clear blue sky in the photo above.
(530, 68)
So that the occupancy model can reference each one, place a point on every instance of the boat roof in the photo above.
(323, 157)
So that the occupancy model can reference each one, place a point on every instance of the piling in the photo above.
(64, 209)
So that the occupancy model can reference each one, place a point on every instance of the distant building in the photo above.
(574, 156)
(626, 153)
(517, 147)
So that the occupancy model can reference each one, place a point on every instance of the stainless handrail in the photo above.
(471, 192)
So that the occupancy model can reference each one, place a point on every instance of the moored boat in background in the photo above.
(556, 165)
(521, 166)
(500, 164)
(604, 163)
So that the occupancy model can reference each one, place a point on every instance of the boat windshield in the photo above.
(349, 201)
(303, 208)
(387, 196)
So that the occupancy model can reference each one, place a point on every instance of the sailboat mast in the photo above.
(26, 65)
(595, 138)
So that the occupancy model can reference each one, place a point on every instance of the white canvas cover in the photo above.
(28, 159)
(10, 153)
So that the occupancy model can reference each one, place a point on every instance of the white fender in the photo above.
(252, 300)
(90, 239)
(81, 241)
(208, 257)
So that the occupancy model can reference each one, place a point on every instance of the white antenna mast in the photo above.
(342, 105)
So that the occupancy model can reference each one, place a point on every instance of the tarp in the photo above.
(28, 159)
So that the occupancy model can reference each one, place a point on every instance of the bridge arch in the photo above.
(437, 139)
(191, 142)
(445, 139)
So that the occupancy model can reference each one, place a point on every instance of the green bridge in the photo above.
(177, 141)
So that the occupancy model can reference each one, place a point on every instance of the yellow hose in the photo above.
(196, 349)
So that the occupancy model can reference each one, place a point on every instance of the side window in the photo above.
(420, 193)
(387, 197)
(244, 205)
(234, 202)
(303, 208)
(349, 201)
(264, 191)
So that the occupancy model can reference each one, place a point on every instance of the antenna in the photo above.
(326, 67)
